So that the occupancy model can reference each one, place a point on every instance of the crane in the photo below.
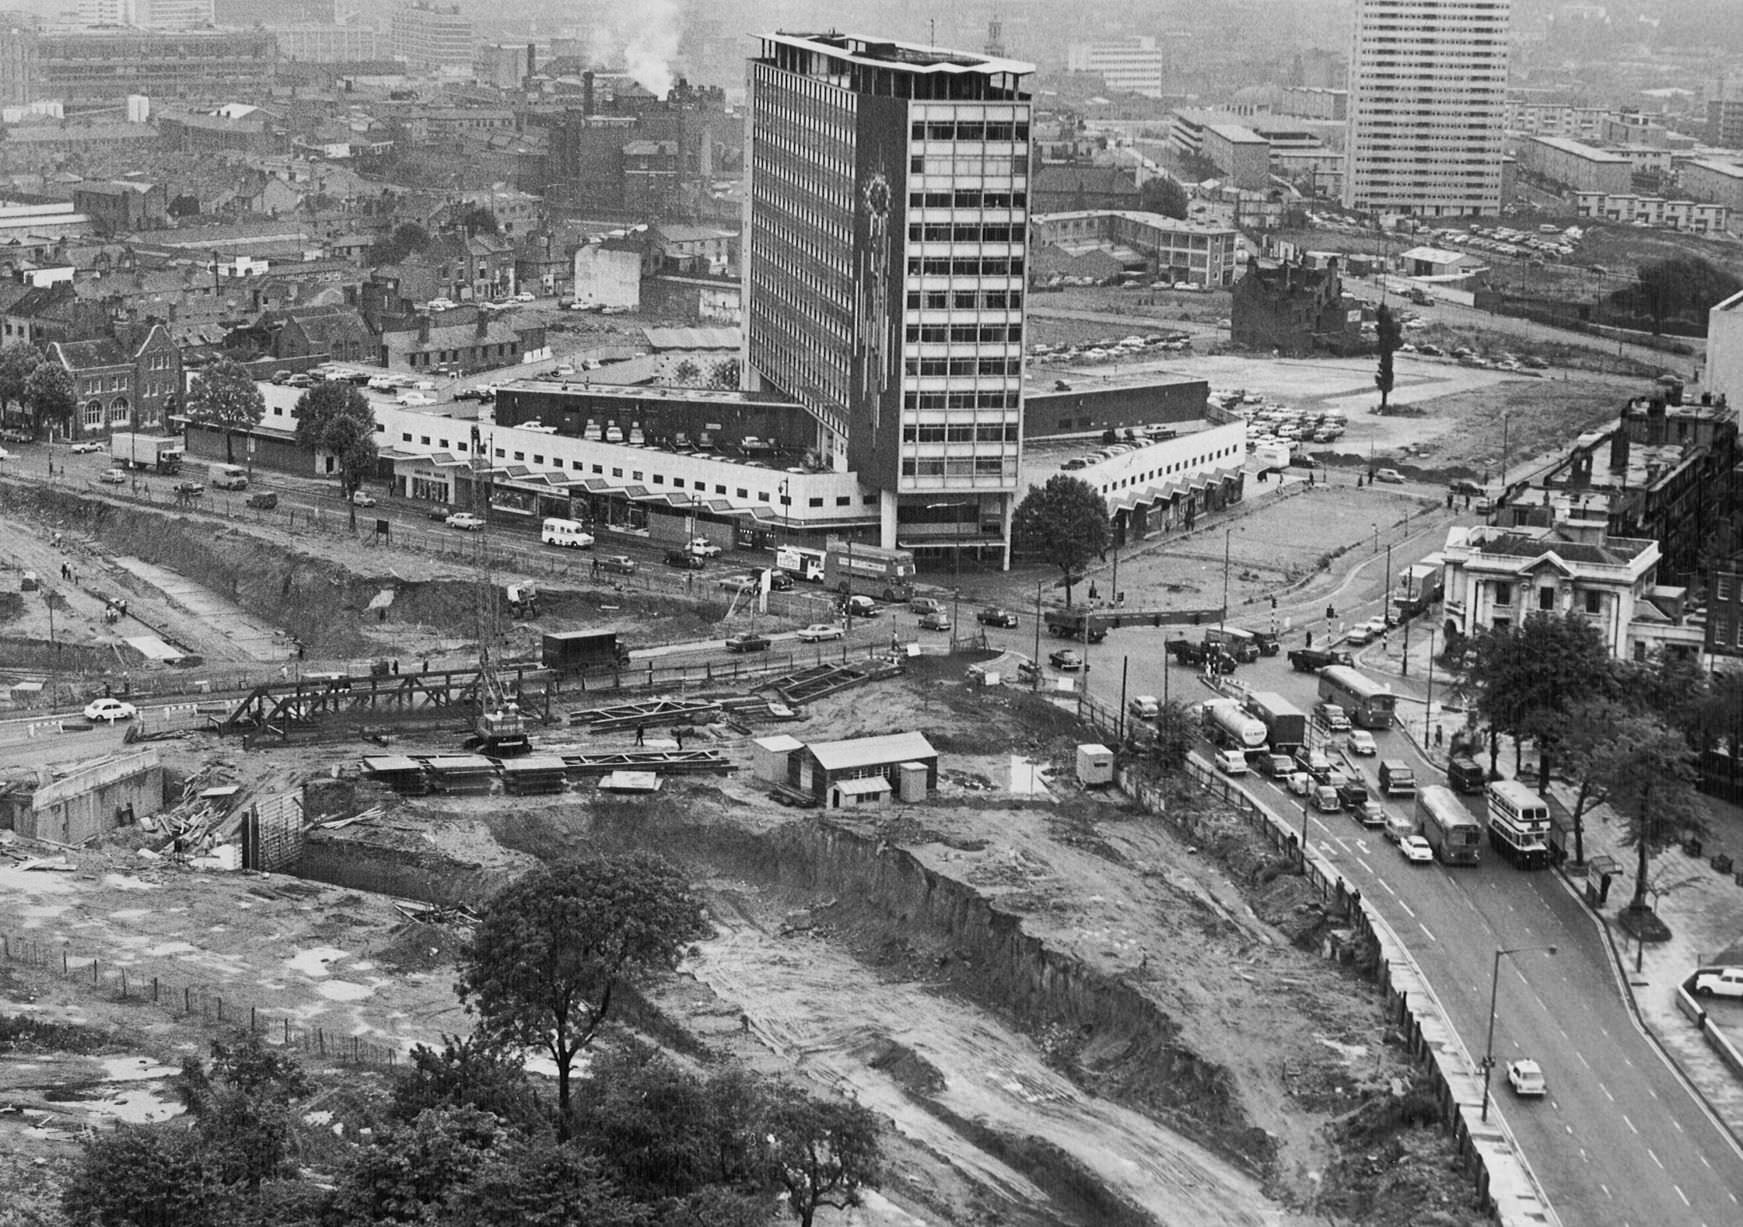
(499, 726)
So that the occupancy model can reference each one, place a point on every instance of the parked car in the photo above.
(618, 564)
(263, 500)
(1390, 476)
(189, 489)
(935, 622)
(1362, 742)
(86, 446)
(817, 632)
(1068, 660)
(110, 710)
(113, 477)
(749, 641)
(1231, 762)
(363, 498)
(685, 560)
(742, 582)
(1526, 1078)
(996, 617)
(779, 580)
(1719, 981)
(1465, 485)
(1416, 850)
(702, 547)
(925, 605)
(1144, 707)
(464, 520)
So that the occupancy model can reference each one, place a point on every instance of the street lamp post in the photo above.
(1494, 987)
(1428, 706)
(1223, 616)
(1037, 657)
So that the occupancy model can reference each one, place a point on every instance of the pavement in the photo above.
(1702, 908)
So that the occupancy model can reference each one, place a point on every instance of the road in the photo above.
(1619, 1140)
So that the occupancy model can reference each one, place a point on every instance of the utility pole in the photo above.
(1223, 616)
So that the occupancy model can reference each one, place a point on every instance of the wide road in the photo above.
(1619, 1140)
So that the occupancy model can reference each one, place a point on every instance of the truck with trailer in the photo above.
(1075, 623)
(1210, 659)
(163, 454)
(1312, 660)
(1285, 724)
(571, 652)
(1231, 728)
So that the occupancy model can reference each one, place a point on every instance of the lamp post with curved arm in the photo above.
(1494, 985)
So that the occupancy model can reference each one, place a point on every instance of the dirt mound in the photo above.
(416, 946)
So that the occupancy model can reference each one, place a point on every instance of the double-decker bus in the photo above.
(1368, 703)
(1519, 824)
(868, 570)
(1455, 836)
(801, 562)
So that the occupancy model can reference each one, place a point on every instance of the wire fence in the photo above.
(211, 1004)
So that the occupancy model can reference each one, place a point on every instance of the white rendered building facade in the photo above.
(885, 236)
(1427, 105)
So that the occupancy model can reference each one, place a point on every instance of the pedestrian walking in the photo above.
(283, 672)
(396, 666)
(426, 667)
(1310, 639)
(596, 568)
(679, 734)
(1437, 736)
(641, 731)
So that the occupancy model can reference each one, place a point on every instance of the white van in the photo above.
(229, 477)
(567, 533)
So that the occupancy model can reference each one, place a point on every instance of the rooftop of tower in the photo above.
(891, 54)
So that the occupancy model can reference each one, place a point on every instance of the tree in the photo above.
(552, 950)
(1176, 732)
(1649, 779)
(224, 396)
(726, 375)
(1390, 334)
(1678, 286)
(17, 361)
(334, 417)
(50, 396)
(479, 219)
(145, 1176)
(242, 1107)
(686, 374)
(409, 1173)
(1526, 677)
(1163, 195)
(1065, 522)
(821, 1151)
(537, 1182)
(469, 1072)
(407, 239)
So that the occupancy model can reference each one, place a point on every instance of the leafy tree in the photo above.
(552, 950)
(1390, 334)
(537, 1182)
(1525, 678)
(1649, 779)
(242, 1106)
(409, 1173)
(686, 374)
(823, 1152)
(151, 1176)
(469, 1072)
(1066, 523)
(1176, 731)
(408, 238)
(224, 396)
(334, 417)
(726, 374)
(479, 219)
(17, 361)
(1681, 286)
(1163, 195)
(50, 396)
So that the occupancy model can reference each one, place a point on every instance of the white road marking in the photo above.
(1606, 1189)
(1388, 886)
(1606, 1091)
(1407, 910)
(1626, 1121)
(1655, 1158)
(1683, 1195)
(1583, 1061)
(1431, 937)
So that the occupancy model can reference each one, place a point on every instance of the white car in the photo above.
(1416, 850)
(1231, 762)
(465, 521)
(524, 296)
(1719, 981)
(110, 710)
(1525, 1076)
(702, 547)
(363, 498)
(1299, 783)
(817, 632)
(442, 304)
(1362, 742)
(86, 446)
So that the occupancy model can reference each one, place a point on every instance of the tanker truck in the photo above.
(1231, 728)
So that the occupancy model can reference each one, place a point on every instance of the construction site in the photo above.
(1069, 1007)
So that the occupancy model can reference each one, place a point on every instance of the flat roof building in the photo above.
(1428, 91)
(1129, 66)
(1568, 163)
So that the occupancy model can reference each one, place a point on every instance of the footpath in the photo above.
(1702, 907)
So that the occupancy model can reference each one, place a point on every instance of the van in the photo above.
(1396, 778)
(229, 477)
(1465, 775)
(567, 534)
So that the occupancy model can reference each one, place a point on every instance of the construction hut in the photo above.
(84, 802)
(868, 770)
(775, 759)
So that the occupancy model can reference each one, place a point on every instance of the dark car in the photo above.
(996, 617)
(685, 560)
(189, 489)
(780, 581)
(748, 642)
(263, 500)
(1465, 485)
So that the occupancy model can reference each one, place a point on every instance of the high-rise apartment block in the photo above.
(885, 222)
(1427, 102)
(429, 36)
(147, 14)
(1132, 66)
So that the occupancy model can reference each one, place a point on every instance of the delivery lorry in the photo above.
(1230, 727)
(1285, 724)
(129, 449)
(583, 651)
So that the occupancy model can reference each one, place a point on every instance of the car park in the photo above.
(465, 521)
(1415, 849)
(1526, 1078)
(1362, 742)
(1718, 982)
(1068, 660)
(1231, 762)
(110, 710)
(935, 622)
(749, 641)
(817, 632)
(113, 477)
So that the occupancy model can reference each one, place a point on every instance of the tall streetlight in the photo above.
(1494, 986)
(1223, 615)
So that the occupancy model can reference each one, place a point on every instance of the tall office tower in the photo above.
(147, 14)
(1428, 87)
(885, 220)
(432, 36)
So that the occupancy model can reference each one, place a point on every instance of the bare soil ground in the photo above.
(1109, 1024)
